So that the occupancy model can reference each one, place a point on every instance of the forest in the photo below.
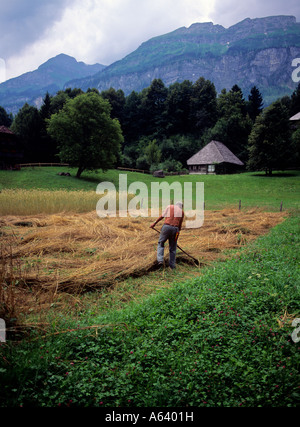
(162, 127)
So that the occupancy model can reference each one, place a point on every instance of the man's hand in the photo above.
(153, 225)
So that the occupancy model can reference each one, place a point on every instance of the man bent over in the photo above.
(173, 215)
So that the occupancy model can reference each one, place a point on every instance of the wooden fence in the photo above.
(148, 172)
(280, 209)
(133, 170)
(27, 165)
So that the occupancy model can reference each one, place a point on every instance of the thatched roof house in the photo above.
(214, 158)
(10, 151)
(295, 120)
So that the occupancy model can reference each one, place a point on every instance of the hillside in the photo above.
(253, 52)
(51, 76)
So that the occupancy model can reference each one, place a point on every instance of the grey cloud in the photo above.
(116, 27)
(24, 21)
(230, 12)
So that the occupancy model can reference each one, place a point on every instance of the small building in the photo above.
(214, 158)
(295, 121)
(11, 152)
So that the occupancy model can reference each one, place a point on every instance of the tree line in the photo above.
(157, 128)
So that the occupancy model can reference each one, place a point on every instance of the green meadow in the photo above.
(220, 191)
(226, 335)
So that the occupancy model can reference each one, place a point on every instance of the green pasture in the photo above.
(220, 191)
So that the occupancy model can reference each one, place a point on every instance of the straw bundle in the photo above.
(75, 252)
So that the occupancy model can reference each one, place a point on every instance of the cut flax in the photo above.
(76, 252)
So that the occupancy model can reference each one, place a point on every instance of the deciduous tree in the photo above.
(203, 105)
(269, 141)
(234, 125)
(27, 126)
(153, 109)
(87, 136)
(178, 108)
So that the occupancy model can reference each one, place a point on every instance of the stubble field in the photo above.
(74, 253)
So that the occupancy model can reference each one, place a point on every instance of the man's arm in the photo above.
(161, 217)
(158, 219)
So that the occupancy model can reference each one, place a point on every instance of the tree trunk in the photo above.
(269, 171)
(79, 171)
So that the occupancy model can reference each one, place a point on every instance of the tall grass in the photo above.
(33, 202)
(220, 191)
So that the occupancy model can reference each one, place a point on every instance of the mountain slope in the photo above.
(253, 52)
(51, 76)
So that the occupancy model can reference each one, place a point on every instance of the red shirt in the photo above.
(173, 216)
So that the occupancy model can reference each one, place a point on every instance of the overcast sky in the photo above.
(104, 31)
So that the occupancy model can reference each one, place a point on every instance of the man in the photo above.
(170, 230)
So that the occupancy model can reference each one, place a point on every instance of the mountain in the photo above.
(253, 52)
(51, 76)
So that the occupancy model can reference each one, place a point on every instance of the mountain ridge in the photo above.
(50, 76)
(253, 52)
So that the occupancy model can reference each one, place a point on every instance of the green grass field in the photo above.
(220, 191)
(221, 336)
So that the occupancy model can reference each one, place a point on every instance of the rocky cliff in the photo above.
(253, 52)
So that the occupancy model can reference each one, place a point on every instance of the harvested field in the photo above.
(77, 252)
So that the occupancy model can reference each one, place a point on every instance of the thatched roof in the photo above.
(4, 129)
(213, 153)
(295, 117)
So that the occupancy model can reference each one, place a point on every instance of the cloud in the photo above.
(114, 24)
(105, 31)
(230, 12)
(98, 30)
(24, 22)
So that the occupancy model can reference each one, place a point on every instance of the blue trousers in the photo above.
(167, 233)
